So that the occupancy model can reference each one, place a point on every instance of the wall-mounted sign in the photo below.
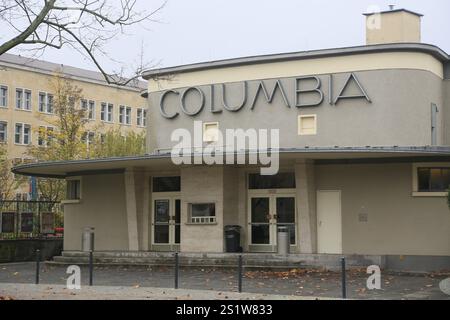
(302, 86)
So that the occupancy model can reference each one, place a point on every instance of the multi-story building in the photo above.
(26, 102)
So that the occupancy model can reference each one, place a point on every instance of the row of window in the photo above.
(22, 133)
(24, 102)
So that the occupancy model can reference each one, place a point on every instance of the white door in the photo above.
(329, 222)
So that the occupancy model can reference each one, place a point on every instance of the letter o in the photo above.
(161, 105)
(202, 101)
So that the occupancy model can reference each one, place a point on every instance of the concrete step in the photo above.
(251, 260)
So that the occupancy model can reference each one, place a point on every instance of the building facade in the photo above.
(363, 155)
(26, 94)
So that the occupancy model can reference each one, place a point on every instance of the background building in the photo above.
(26, 102)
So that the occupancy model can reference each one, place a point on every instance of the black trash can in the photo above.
(233, 238)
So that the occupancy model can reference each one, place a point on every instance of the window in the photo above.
(166, 184)
(4, 96)
(49, 103)
(202, 212)
(19, 98)
(45, 136)
(110, 112)
(282, 180)
(74, 189)
(128, 115)
(307, 125)
(27, 105)
(431, 179)
(141, 117)
(210, 132)
(91, 110)
(84, 107)
(103, 112)
(42, 102)
(8, 222)
(22, 134)
(3, 131)
(26, 222)
(122, 114)
(45, 102)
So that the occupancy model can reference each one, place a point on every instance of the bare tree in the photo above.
(84, 25)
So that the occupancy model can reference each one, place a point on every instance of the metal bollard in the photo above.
(240, 273)
(91, 267)
(177, 265)
(38, 262)
(343, 277)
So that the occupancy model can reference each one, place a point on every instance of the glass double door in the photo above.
(166, 223)
(266, 214)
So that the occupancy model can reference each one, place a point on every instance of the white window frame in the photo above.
(45, 139)
(5, 97)
(299, 124)
(5, 131)
(110, 113)
(91, 110)
(22, 134)
(122, 111)
(202, 219)
(141, 121)
(46, 105)
(415, 178)
(205, 137)
(26, 101)
(20, 106)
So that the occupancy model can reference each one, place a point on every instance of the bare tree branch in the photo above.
(84, 25)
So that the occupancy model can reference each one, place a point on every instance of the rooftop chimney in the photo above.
(393, 26)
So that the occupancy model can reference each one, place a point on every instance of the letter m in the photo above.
(269, 96)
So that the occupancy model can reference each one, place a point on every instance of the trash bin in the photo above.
(233, 238)
(87, 239)
(283, 240)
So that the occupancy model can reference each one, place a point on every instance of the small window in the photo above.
(202, 212)
(103, 112)
(19, 98)
(210, 132)
(433, 179)
(3, 131)
(42, 101)
(166, 184)
(4, 96)
(27, 105)
(282, 180)
(91, 110)
(307, 125)
(26, 222)
(8, 222)
(110, 116)
(74, 189)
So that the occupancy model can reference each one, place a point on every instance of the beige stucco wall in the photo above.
(303, 67)
(399, 26)
(102, 207)
(398, 223)
(39, 82)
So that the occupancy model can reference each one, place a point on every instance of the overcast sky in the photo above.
(203, 30)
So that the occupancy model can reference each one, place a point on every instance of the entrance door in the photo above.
(166, 224)
(329, 222)
(266, 213)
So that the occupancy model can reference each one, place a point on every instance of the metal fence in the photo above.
(30, 219)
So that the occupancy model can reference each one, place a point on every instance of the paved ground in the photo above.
(60, 292)
(301, 283)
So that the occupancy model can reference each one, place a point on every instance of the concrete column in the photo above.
(145, 239)
(306, 207)
(132, 216)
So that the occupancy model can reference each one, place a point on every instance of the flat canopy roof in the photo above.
(162, 161)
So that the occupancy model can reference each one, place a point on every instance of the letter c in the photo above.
(161, 105)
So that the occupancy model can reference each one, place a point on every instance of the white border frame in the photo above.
(299, 127)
